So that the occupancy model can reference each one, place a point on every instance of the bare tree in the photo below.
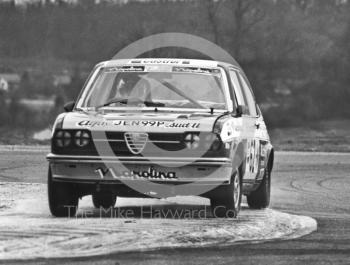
(212, 8)
(246, 14)
(303, 4)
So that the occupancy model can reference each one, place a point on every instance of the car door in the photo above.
(248, 121)
(254, 125)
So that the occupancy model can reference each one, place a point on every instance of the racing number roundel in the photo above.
(252, 160)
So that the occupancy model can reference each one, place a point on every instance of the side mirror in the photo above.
(68, 107)
(240, 110)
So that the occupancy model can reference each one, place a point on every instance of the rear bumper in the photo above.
(221, 161)
(116, 170)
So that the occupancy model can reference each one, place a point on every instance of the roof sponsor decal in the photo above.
(125, 69)
(161, 61)
(196, 70)
(162, 68)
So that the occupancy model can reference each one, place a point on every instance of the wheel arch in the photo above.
(238, 160)
(271, 159)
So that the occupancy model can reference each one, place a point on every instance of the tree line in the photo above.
(295, 52)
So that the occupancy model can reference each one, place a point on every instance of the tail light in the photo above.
(191, 141)
(66, 138)
(82, 138)
(206, 141)
(63, 139)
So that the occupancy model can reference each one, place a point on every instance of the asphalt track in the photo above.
(310, 184)
(28, 231)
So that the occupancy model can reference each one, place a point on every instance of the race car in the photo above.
(161, 128)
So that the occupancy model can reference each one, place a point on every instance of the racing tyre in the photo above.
(63, 201)
(260, 198)
(104, 200)
(227, 201)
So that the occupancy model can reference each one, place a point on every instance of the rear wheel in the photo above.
(104, 200)
(227, 201)
(63, 200)
(260, 198)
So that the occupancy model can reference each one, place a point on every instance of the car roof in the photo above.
(169, 61)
